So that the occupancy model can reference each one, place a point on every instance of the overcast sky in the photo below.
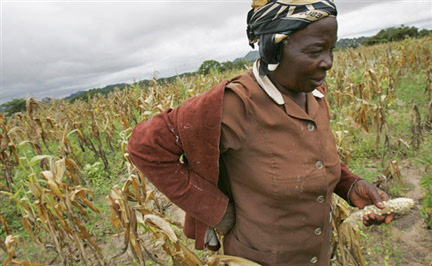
(55, 48)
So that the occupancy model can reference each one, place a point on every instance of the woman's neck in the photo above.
(300, 98)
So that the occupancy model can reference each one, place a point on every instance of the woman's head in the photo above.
(306, 56)
(271, 21)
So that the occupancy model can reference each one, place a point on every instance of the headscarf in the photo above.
(271, 21)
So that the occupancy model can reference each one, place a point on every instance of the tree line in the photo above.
(384, 36)
(212, 66)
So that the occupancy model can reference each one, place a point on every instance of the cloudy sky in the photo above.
(55, 48)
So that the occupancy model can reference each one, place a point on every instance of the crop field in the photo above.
(70, 195)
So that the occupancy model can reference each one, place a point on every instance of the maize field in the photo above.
(71, 196)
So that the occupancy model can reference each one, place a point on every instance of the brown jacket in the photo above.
(193, 130)
(282, 166)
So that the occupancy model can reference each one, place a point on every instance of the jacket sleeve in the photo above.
(155, 148)
(345, 183)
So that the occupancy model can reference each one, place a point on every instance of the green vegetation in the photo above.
(384, 36)
(208, 66)
(14, 106)
(84, 96)
(350, 42)
(425, 158)
(397, 34)
(212, 66)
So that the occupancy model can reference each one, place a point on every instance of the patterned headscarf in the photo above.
(271, 21)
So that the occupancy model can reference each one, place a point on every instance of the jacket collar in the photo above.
(291, 108)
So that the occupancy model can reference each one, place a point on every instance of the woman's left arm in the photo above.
(360, 193)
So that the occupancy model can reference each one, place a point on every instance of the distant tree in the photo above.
(424, 32)
(240, 64)
(396, 34)
(350, 43)
(208, 66)
(14, 106)
(89, 94)
(228, 65)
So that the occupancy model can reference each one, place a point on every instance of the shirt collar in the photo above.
(271, 89)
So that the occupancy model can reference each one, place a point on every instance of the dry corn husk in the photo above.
(347, 238)
(217, 260)
(346, 248)
(399, 205)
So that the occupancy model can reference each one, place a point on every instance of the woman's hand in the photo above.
(362, 194)
(227, 222)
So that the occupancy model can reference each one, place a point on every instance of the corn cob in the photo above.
(399, 205)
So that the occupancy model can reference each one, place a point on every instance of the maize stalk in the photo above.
(217, 260)
(399, 205)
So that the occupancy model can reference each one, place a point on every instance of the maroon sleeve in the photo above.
(155, 148)
(347, 179)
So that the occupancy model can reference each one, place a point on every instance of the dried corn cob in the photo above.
(399, 205)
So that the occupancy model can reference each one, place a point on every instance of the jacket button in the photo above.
(311, 127)
(318, 231)
(320, 199)
(319, 165)
(314, 260)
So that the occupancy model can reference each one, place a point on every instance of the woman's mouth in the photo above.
(317, 81)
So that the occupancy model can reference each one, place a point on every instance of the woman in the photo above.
(261, 161)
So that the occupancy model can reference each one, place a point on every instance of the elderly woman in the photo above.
(260, 161)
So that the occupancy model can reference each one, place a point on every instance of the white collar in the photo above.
(271, 89)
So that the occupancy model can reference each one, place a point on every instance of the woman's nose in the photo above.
(327, 60)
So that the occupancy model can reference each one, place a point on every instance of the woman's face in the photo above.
(306, 57)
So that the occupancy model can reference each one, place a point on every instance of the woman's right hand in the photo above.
(228, 220)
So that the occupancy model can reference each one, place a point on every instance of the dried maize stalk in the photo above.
(217, 260)
(399, 205)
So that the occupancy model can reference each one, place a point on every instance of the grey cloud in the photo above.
(53, 49)
(66, 39)
(101, 39)
(347, 6)
(368, 20)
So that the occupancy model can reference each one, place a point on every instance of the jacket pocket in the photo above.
(232, 246)
(302, 187)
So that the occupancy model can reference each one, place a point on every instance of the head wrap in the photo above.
(271, 21)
